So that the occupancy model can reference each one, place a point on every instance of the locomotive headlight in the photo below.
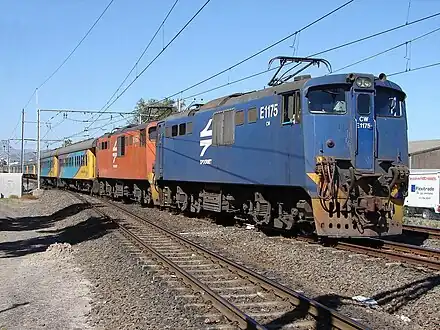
(363, 82)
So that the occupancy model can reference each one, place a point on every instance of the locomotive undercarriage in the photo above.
(350, 202)
(286, 208)
(134, 190)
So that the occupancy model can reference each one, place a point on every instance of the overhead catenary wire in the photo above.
(263, 50)
(107, 106)
(346, 44)
(142, 54)
(157, 56)
(388, 50)
(70, 54)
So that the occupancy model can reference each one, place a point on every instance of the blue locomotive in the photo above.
(327, 154)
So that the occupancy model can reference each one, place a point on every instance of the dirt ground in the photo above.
(40, 286)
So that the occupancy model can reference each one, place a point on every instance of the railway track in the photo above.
(237, 297)
(411, 254)
(422, 231)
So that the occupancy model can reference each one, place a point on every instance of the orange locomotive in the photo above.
(124, 164)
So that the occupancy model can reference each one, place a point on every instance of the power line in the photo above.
(141, 56)
(415, 69)
(387, 50)
(264, 49)
(376, 34)
(157, 56)
(71, 53)
(107, 106)
(76, 47)
(319, 53)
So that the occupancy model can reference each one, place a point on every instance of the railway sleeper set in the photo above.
(226, 294)
(326, 154)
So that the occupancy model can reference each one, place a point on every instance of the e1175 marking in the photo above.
(269, 111)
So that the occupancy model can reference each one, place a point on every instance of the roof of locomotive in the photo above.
(132, 127)
(305, 81)
(342, 79)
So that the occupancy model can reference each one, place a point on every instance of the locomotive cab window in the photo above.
(327, 100)
(291, 107)
(389, 102)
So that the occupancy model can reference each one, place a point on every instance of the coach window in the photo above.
(152, 133)
(143, 137)
(189, 128)
(174, 130)
(223, 128)
(182, 129)
(291, 108)
(252, 115)
(130, 140)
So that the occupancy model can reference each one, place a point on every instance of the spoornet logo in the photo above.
(413, 188)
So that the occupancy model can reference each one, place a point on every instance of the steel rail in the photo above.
(316, 309)
(420, 230)
(391, 252)
(229, 310)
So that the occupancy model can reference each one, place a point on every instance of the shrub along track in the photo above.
(229, 294)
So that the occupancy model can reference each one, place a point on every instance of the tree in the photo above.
(154, 110)
(67, 142)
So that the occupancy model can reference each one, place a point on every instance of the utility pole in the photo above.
(9, 159)
(22, 142)
(38, 140)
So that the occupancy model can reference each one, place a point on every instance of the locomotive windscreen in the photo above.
(327, 100)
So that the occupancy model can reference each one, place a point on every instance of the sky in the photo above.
(37, 35)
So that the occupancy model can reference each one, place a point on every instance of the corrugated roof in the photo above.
(422, 145)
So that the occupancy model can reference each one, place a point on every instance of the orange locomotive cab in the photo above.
(125, 161)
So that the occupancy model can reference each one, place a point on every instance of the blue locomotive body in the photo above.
(329, 152)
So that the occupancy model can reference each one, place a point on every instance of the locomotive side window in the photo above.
(182, 129)
(121, 145)
(168, 132)
(223, 128)
(189, 128)
(252, 115)
(130, 140)
(239, 117)
(152, 133)
(143, 137)
(291, 108)
(388, 103)
(327, 100)
(174, 130)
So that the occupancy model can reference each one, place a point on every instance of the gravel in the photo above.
(428, 243)
(407, 297)
(65, 268)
